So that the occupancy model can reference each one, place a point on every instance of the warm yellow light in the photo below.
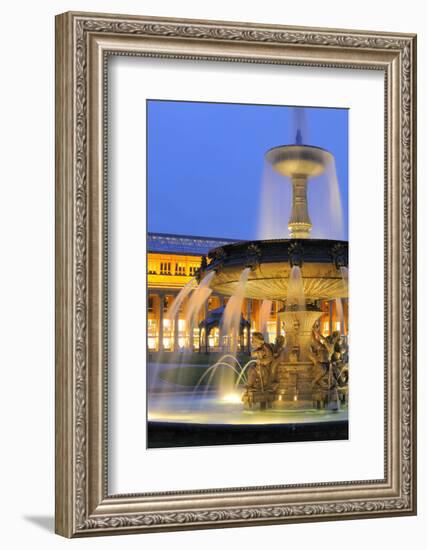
(326, 327)
(232, 398)
(152, 343)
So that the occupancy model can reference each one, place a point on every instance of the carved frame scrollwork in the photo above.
(83, 42)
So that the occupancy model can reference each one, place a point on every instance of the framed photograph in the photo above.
(235, 274)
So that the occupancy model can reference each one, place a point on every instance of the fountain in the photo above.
(299, 162)
(304, 370)
(299, 272)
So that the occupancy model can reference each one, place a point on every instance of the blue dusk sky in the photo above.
(206, 161)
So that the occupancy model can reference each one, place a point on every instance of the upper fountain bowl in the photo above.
(299, 160)
(270, 263)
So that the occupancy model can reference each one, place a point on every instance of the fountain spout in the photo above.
(299, 163)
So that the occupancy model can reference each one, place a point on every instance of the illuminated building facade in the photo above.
(172, 262)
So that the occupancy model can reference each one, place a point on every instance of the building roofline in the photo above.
(195, 237)
(175, 253)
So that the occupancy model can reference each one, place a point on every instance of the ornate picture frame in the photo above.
(84, 42)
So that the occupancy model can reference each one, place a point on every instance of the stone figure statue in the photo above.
(278, 356)
(319, 357)
(278, 345)
(339, 361)
(259, 375)
(330, 358)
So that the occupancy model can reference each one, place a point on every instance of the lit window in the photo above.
(180, 269)
(152, 336)
(152, 344)
(167, 334)
(152, 327)
(151, 268)
(214, 337)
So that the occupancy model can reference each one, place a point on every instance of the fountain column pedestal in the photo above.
(298, 330)
(299, 224)
(294, 388)
(294, 372)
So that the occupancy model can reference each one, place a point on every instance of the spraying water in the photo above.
(227, 361)
(181, 296)
(275, 204)
(344, 278)
(230, 326)
(299, 127)
(197, 300)
(173, 356)
(308, 175)
(294, 309)
(340, 314)
(275, 212)
(324, 192)
(295, 299)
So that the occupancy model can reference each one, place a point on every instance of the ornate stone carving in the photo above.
(229, 32)
(296, 254)
(253, 255)
(330, 359)
(366, 507)
(218, 254)
(80, 411)
(259, 375)
(201, 268)
(339, 255)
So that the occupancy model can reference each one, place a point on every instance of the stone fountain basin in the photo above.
(294, 160)
(198, 408)
(270, 263)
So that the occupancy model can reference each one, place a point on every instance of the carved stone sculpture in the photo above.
(330, 359)
(259, 388)
(259, 375)
(278, 352)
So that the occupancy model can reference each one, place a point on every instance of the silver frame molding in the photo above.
(83, 43)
